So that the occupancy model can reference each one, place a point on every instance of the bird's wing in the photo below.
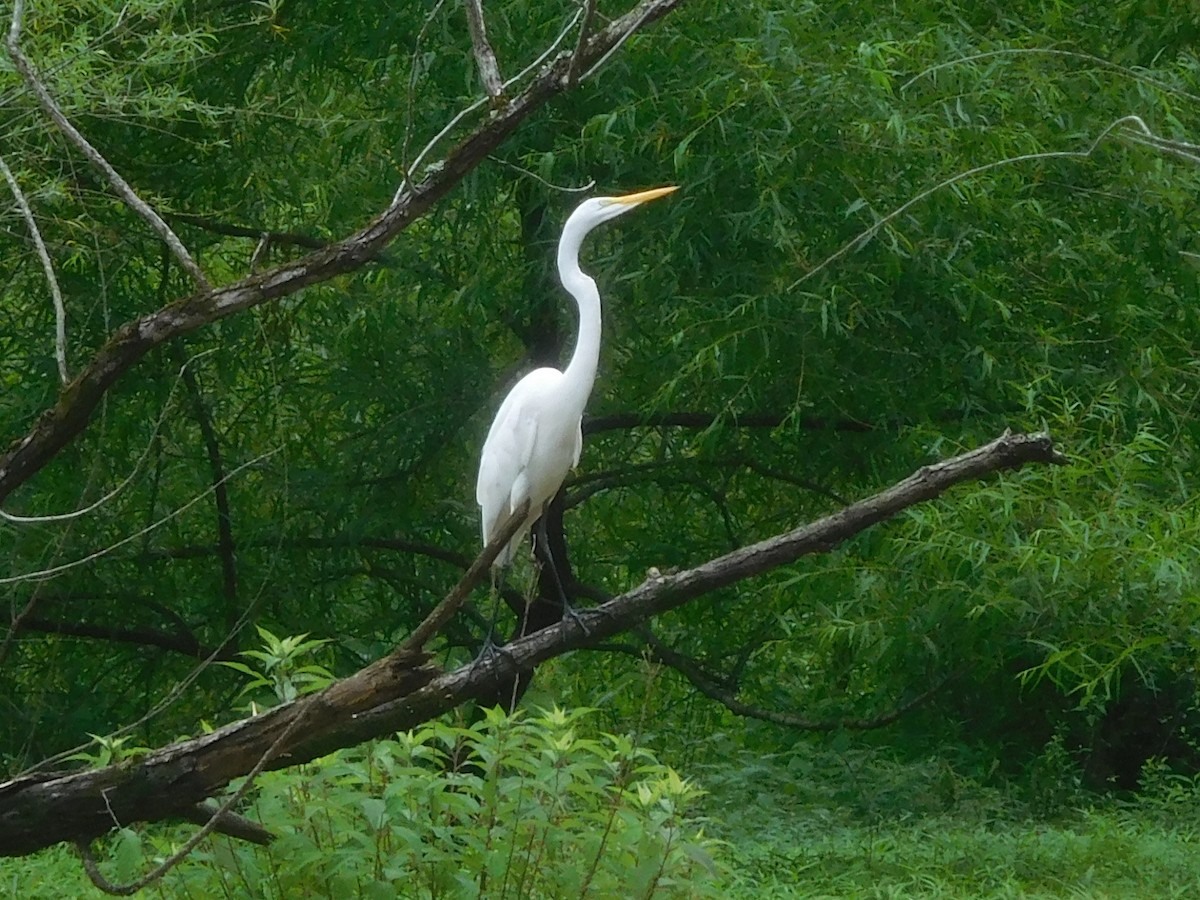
(506, 453)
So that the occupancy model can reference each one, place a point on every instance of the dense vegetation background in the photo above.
(307, 467)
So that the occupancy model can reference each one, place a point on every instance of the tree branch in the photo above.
(402, 690)
(225, 544)
(244, 231)
(690, 419)
(728, 696)
(119, 184)
(587, 485)
(625, 421)
(444, 611)
(229, 823)
(485, 56)
(59, 425)
(60, 310)
(585, 31)
(180, 642)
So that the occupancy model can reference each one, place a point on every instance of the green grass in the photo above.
(1091, 854)
(815, 823)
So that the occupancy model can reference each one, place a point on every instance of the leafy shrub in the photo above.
(537, 809)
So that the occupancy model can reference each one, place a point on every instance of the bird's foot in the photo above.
(490, 650)
(569, 612)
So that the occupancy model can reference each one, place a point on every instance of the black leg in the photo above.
(542, 542)
(490, 647)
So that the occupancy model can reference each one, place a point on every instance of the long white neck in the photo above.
(581, 371)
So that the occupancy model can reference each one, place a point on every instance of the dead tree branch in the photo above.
(485, 56)
(403, 690)
(585, 31)
(444, 611)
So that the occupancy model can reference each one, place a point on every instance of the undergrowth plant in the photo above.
(512, 806)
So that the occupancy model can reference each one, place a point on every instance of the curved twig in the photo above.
(1050, 51)
(727, 695)
(864, 237)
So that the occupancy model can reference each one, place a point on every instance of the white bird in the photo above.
(536, 438)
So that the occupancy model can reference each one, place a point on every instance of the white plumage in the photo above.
(535, 438)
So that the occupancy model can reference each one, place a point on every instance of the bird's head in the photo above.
(595, 210)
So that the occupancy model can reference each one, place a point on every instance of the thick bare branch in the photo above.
(120, 185)
(402, 690)
(485, 56)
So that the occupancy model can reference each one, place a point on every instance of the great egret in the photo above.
(536, 438)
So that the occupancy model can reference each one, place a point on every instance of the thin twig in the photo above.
(60, 310)
(119, 184)
(709, 686)
(864, 237)
(529, 173)
(466, 111)
(485, 56)
(1147, 138)
(125, 890)
(413, 70)
(634, 26)
(83, 511)
(1048, 51)
(175, 513)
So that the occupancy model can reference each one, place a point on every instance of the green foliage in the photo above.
(109, 750)
(529, 805)
(280, 666)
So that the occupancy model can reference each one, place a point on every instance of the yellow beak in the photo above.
(643, 196)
